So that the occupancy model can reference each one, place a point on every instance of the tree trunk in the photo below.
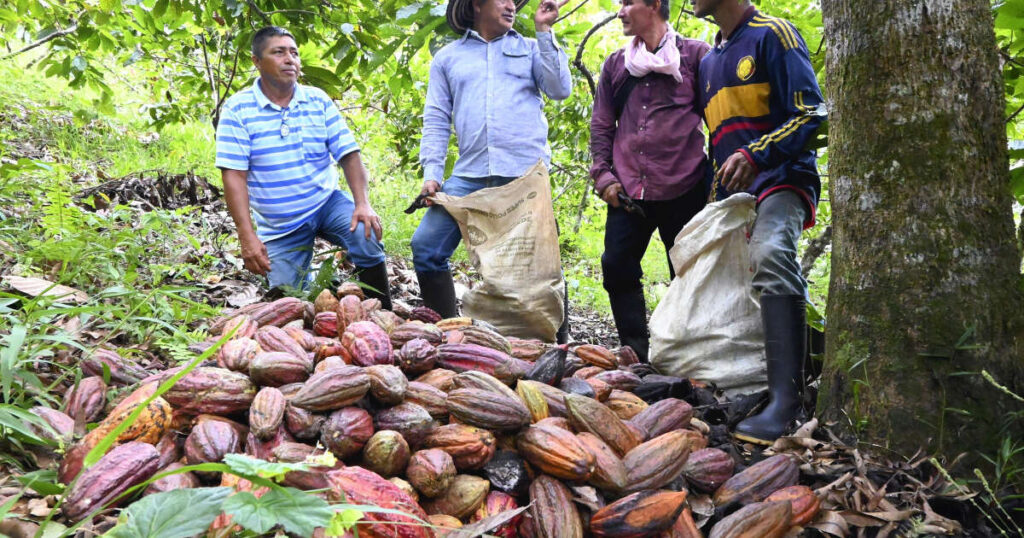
(925, 265)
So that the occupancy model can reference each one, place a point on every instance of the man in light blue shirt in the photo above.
(488, 84)
(277, 144)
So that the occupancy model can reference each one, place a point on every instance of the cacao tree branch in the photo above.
(578, 60)
(209, 70)
(574, 10)
(815, 248)
(260, 12)
(227, 91)
(1014, 115)
(50, 37)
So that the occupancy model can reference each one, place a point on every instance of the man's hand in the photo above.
(546, 14)
(610, 194)
(737, 173)
(365, 214)
(430, 187)
(254, 254)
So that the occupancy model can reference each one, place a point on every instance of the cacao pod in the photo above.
(301, 423)
(596, 355)
(639, 514)
(528, 350)
(556, 452)
(486, 409)
(625, 405)
(475, 334)
(663, 417)
(620, 379)
(601, 389)
(280, 312)
(472, 357)
(657, 462)
(574, 385)
(350, 310)
(237, 354)
(556, 400)
(325, 302)
(627, 357)
(549, 367)
(346, 431)
(553, 513)
(803, 501)
(708, 468)
(330, 347)
(431, 471)
(243, 325)
(385, 319)
(326, 324)
(424, 314)
(386, 453)
(116, 472)
(210, 440)
(292, 452)
(328, 363)
(462, 498)
(609, 472)
(351, 288)
(356, 485)
(264, 449)
(496, 503)
(387, 383)
(412, 330)
(757, 482)
(368, 344)
(557, 422)
(271, 338)
(402, 484)
(218, 325)
(684, 527)
(761, 520)
(586, 372)
(211, 390)
(85, 402)
(439, 378)
(332, 389)
(301, 336)
(275, 368)
(444, 524)
(172, 482)
(589, 415)
(61, 427)
(408, 419)
(168, 448)
(534, 400)
(267, 412)
(427, 397)
(122, 371)
(469, 447)
(416, 356)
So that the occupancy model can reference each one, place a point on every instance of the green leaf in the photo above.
(172, 514)
(343, 521)
(246, 465)
(1017, 183)
(43, 482)
(297, 511)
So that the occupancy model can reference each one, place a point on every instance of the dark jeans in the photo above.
(627, 235)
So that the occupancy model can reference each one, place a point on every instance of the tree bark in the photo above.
(923, 292)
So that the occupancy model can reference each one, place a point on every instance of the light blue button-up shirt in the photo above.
(490, 92)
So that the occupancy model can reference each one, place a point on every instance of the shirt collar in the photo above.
(747, 15)
(262, 100)
(473, 33)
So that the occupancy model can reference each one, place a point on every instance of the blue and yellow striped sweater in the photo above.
(760, 97)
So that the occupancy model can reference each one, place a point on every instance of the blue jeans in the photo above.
(290, 255)
(438, 234)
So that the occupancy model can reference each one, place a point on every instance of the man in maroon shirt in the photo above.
(647, 144)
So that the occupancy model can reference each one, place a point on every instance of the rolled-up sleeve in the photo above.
(551, 68)
(437, 121)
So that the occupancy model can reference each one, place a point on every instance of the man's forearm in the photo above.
(236, 195)
(356, 177)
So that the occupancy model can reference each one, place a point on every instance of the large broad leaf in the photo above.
(172, 514)
(1017, 183)
(297, 511)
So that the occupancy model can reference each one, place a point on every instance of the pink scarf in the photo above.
(639, 61)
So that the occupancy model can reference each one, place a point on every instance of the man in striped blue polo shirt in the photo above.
(277, 143)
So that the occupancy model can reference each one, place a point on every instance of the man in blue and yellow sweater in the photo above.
(762, 104)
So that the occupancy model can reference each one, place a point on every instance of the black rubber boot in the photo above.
(562, 336)
(438, 292)
(630, 312)
(785, 344)
(377, 278)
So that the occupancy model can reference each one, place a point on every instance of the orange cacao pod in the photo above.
(427, 397)
(639, 514)
(602, 391)
(804, 502)
(439, 378)
(609, 472)
(596, 355)
(657, 462)
(351, 288)
(325, 302)
(556, 452)
(625, 405)
(469, 447)
(757, 520)
(589, 415)
(528, 350)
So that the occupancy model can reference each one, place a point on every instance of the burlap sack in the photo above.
(510, 236)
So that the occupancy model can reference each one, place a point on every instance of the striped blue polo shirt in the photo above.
(289, 153)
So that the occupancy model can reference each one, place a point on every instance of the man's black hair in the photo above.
(259, 39)
(663, 11)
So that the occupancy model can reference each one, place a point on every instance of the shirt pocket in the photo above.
(314, 141)
(518, 62)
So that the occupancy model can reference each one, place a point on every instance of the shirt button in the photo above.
(645, 107)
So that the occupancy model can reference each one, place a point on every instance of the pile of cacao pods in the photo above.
(442, 419)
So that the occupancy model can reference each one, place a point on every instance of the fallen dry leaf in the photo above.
(34, 287)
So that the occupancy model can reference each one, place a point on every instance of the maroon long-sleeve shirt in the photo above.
(656, 148)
